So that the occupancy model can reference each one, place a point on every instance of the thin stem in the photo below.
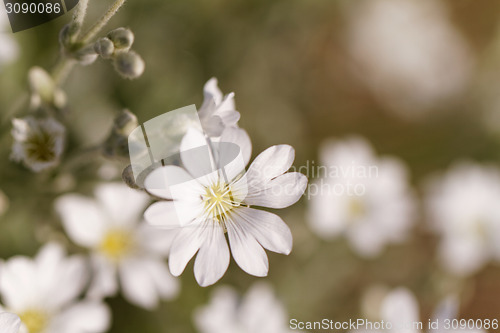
(62, 70)
(94, 30)
(80, 12)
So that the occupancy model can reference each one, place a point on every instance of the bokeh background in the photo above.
(299, 79)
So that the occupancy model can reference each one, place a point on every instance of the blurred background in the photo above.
(418, 79)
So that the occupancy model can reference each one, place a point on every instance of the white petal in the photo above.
(271, 163)
(156, 240)
(211, 92)
(267, 228)
(18, 283)
(9, 323)
(159, 181)
(280, 192)
(400, 307)
(187, 242)
(166, 285)
(240, 137)
(105, 280)
(172, 214)
(82, 317)
(221, 314)
(213, 257)
(195, 154)
(82, 218)
(247, 252)
(123, 204)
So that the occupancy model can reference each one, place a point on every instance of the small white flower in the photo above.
(217, 111)
(206, 204)
(365, 198)
(400, 308)
(121, 246)
(38, 143)
(463, 209)
(44, 293)
(259, 311)
(8, 45)
(9, 323)
(408, 52)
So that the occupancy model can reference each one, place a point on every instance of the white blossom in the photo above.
(44, 293)
(38, 143)
(206, 203)
(9, 323)
(408, 52)
(122, 247)
(360, 196)
(217, 111)
(259, 311)
(400, 308)
(463, 209)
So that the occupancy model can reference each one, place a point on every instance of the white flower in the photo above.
(400, 308)
(207, 204)
(9, 322)
(365, 198)
(217, 111)
(44, 293)
(259, 311)
(463, 208)
(120, 245)
(408, 52)
(38, 143)
(8, 46)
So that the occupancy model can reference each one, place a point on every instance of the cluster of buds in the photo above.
(116, 47)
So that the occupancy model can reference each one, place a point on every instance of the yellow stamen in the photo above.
(116, 244)
(35, 321)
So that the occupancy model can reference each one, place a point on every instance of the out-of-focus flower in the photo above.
(43, 292)
(463, 209)
(9, 322)
(363, 197)
(8, 46)
(408, 53)
(44, 91)
(121, 246)
(207, 206)
(400, 308)
(217, 111)
(259, 311)
(38, 143)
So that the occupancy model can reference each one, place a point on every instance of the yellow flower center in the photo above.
(219, 201)
(40, 147)
(116, 244)
(356, 208)
(35, 321)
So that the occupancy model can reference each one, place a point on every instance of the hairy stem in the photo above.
(62, 70)
(94, 30)
(80, 12)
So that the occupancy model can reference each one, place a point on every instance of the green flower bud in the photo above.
(128, 178)
(122, 38)
(86, 55)
(129, 64)
(104, 47)
(125, 123)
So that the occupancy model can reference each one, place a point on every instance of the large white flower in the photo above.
(9, 322)
(38, 143)
(408, 52)
(43, 292)
(217, 111)
(259, 311)
(120, 245)
(400, 308)
(463, 208)
(208, 202)
(365, 198)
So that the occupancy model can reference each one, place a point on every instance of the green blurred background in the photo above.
(287, 62)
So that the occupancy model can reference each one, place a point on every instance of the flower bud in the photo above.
(68, 33)
(86, 55)
(128, 178)
(122, 38)
(129, 64)
(125, 123)
(104, 47)
(41, 84)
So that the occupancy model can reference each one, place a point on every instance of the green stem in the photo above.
(80, 12)
(62, 70)
(94, 30)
